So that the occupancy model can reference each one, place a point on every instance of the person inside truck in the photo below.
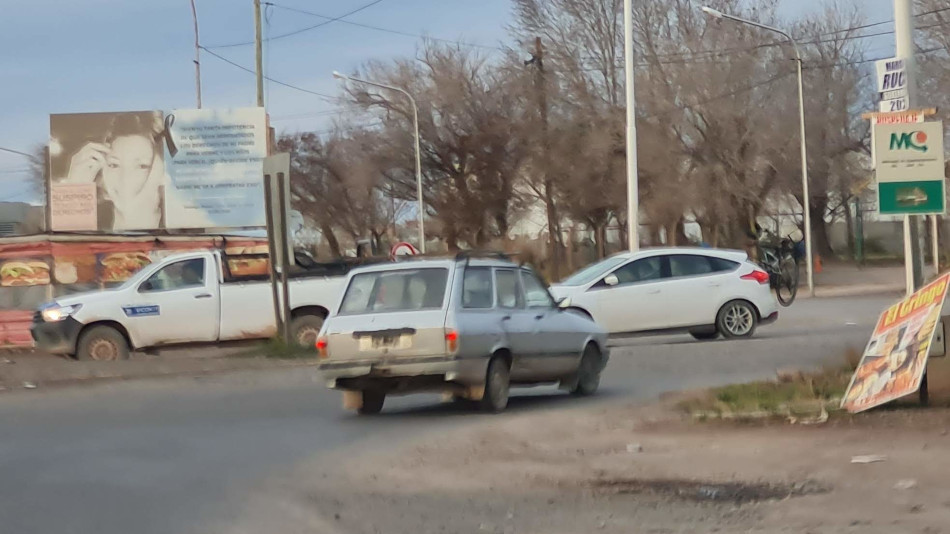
(192, 274)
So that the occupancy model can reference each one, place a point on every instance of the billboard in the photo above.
(215, 162)
(909, 166)
(896, 356)
(147, 170)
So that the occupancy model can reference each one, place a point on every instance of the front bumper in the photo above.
(56, 338)
(466, 371)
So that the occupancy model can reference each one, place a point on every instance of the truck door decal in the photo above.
(141, 311)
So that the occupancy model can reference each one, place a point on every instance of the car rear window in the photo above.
(394, 291)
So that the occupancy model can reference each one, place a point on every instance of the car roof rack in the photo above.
(485, 254)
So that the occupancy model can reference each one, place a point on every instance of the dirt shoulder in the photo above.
(626, 468)
(30, 370)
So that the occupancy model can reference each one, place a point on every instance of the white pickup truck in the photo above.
(185, 298)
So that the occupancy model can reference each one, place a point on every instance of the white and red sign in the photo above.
(403, 249)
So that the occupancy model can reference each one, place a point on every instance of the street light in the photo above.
(809, 266)
(415, 125)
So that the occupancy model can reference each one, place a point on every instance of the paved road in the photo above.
(178, 455)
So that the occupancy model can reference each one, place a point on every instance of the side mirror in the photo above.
(611, 280)
(146, 286)
(564, 303)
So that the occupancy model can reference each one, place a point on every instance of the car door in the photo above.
(559, 338)
(518, 323)
(635, 302)
(696, 286)
(480, 325)
(176, 304)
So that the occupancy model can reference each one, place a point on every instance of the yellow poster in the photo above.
(896, 356)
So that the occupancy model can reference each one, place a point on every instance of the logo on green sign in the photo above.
(912, 140)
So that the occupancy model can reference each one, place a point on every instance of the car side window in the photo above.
(477, 290)
(507, 289)
(689, 265)
(720, 265)
(642, 270)
(178, 275)
(535, 293)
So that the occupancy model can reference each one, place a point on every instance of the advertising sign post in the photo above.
(895, 360)
(909, 165)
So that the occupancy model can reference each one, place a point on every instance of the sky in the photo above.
(65, 56)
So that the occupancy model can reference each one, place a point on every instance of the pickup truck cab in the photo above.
(185, 298)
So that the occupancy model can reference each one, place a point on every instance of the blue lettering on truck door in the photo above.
(141, 311)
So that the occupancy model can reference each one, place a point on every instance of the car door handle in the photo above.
(653, 292)
(539, 316)
(204, 296)
(506, 318)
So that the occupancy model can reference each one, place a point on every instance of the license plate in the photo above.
(372, 343)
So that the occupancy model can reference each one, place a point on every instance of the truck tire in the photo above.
(102, 343)
(373, 400)
(497, 385)
(305, 329)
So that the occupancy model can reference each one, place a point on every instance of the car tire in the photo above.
(305, 330)
(588, 372)
(737, 319)
(497, 385)
(704, 335)
(373, 400)
(102, 343)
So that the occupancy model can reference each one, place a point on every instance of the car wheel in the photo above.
(305, 330)
(588, 372)
(737, 319)
(704, 335)
(497, 385)
(373, 400)
(102, 343)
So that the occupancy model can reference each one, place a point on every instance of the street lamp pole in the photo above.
(194, 16)
(809, 265)
(415, 126)
(633, 179)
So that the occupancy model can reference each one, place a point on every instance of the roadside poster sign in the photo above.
(909, 165)
(148, 170)
(896, 356)
(215, 164)
(892, 84)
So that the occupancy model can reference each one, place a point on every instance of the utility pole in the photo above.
(633, 181)
(259, 53)
(194, 16)
(904, 40)
(540, 85)
(904, 37)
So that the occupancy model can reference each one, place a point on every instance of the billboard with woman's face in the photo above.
(147, 170)
(107, 171)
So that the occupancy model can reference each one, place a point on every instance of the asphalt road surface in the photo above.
(180, 455)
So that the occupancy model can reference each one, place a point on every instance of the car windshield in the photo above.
(393, 291)
(593, 271)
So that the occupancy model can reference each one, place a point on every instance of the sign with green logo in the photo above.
(909, 164)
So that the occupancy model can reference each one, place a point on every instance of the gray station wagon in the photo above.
(469, 327)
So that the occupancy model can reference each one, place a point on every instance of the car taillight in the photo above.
(322, 345)
(757, 275)
(452, 340)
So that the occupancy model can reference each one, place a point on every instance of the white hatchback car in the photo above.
(706, 292)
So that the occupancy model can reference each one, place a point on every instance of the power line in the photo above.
(729, 51)
(389, 30)
(301, 30)
(268, 78)
(17, 152)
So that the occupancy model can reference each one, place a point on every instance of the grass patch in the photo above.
(279, 349)
(790, 394)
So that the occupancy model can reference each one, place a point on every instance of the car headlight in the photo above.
(58, 313)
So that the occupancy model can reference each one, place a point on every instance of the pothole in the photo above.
(705, 491)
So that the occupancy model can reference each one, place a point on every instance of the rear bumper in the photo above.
(347, 374)
(56, 338)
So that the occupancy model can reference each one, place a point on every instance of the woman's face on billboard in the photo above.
(129, 163)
